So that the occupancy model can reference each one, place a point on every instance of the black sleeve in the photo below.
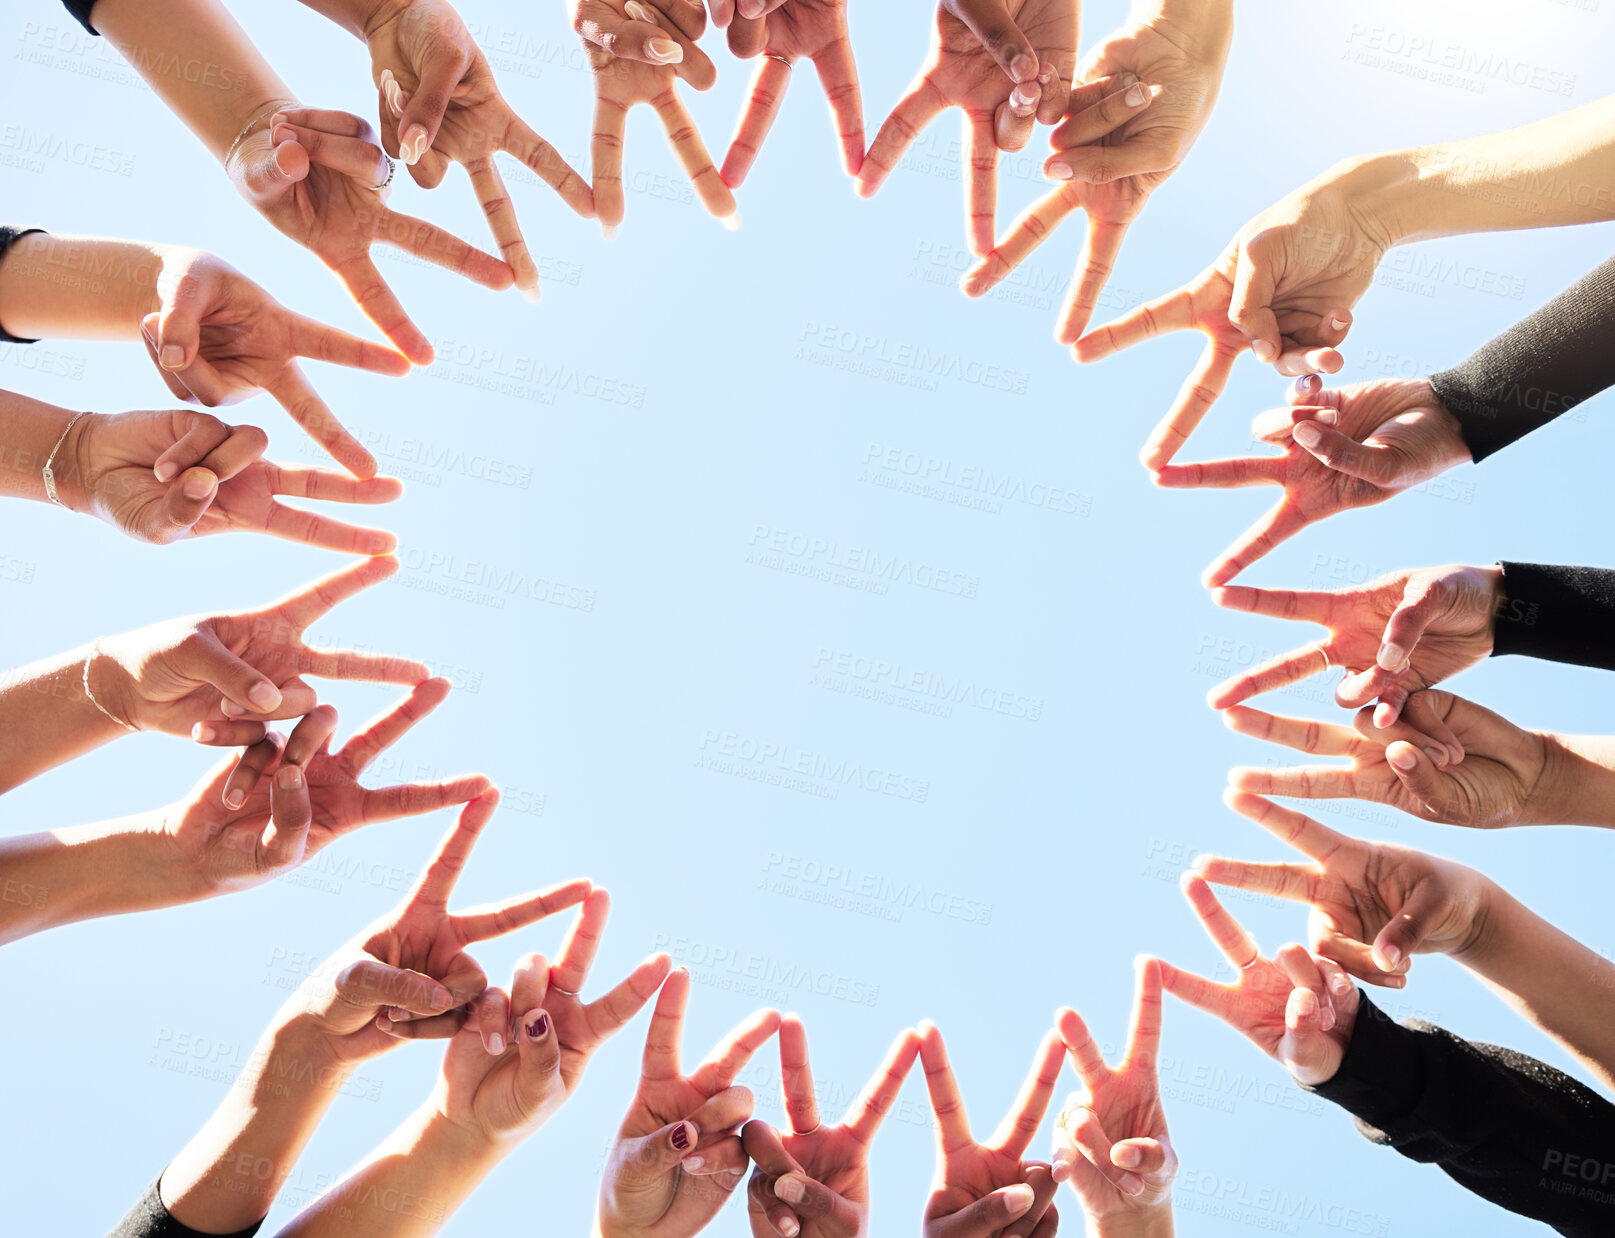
(1509, 1128)
(81, 10)
(149, 1219)
(1561, 614)
(9, 236)
(1543, 366)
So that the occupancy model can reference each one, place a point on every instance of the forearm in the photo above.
(1203, 28)
(1577, 784)
(1556, 171)
(408, 1188)
(1156, 1223)
(228, 1176)
(47, 719)
(86, 871)
(78, 287)
(353, 16)
(198, 60)
(1550, 978)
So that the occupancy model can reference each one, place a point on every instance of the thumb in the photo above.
(1376, 464)
(1309, 1053)
(1250, 308)
(1418, 609)
(422, 116)
(266, 171)
(990, 22)
(990, 1214)
(648, 1160)
(187, 500)
(1419, 775)
(286, 836)
(1398, 940)
(204, 659)
(539, 1087)
(179, 322)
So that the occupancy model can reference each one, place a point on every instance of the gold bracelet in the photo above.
(49, 471)
(278, 105)
(95, 648)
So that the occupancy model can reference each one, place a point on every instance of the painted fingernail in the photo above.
(1308, 383)
(538, 1028)
(1019, 1198)
(664, 51)
(1126, 1157)
(173, 356)
(413, 145)
(1307, 434)
(1391, 656)
(496, 1044)
(289, 777)
(1137, 95)
(639, 12)
(264, 696)
(1059, 172)
(1264, 350)
(235, 797)
(1023, 67)
(680, 1137)
(1403, 758)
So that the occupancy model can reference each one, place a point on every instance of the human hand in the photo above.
(320, 178)
(1297, 1008)
(1005, 64)
(985, 1190)
(440, 104)
(167, 475)
(219, 678)
(637, 51)
(1373, 905)
(1394, 636)
(1139, 100)
(779, 36)
(523, 1052)
(1358, 446)
(677, 1158)
(1111, 1142)
(812, 1180)
(216, 338)
(1496, 784)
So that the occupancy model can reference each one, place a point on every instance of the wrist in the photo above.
(1380, 191)
(1152, 1222)
(1488, 927)
(1571, 788)
(73, 464)
(1203, 29)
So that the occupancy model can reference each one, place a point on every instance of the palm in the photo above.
(965, 75)
(1127, 1102)
(246, 337)
(836, 1157)
(966, 1174)
(1364, 886)
(804, 28)
(1458, 635)
(486, 1093)
(1174, 120)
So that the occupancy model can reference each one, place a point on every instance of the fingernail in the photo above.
(664, 51)
(531, 295)
(288, 777)
(1060, 1170)
(1437, 755)
(639, 12)
(1307, 434)
(1391, 656)
(1023, 67)
(496, 1043)
(1328, 416)
(165, 471)
(1137, 95)
(199, 485)
(680, 1137)
(610, 231)
(1019, 1198)
(413, 145)
(693, 1164)
(173, 356)
(1308, 383)
(264, 696)
(1338, 324)
(1059, 172)
(1339, 986)
(538, 1028)
(1264, 350)
(789, 1227)
(1126, 1157)
(235, 797)
(231, 710)
(203, 732)
(790, 1190)
(1403, 758)
(730, 221)
(1022, 102)
(1392, 956)
(1131, 1184)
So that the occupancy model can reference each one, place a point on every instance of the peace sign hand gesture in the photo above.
(813, 1180)
(677, 1157)
(985, 1190)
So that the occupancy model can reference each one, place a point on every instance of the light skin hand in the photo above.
(812, 1179)
(986, 1190)
(1354, 447)
(678, 1158)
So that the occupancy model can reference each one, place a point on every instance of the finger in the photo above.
(1420, 776)
(266, 171)
(1016, 1132)
(1306, 782)
(1144, 1029)
(1370, 462)
(497, 919)
(768, 84)
(953, 1128)
(1221, 1000)
(732, 1053)
(1311, 838)
(1310, 605)
(178, 322)
(254, 761)
(365, 667)
(294, 482)
(991, 23)
(1358, 959)
(796, 1076)
(692, 153)
(389, 726)
(1198, 393)
(539, 1052)
(832, 1214)
(1298, 882)
(442, 66)
(613, 1011)
(1299, 359)
(313, 601)
(660, 1061)
(914, 111)
(838, 75)
(1250, 306)
(1421, 605)
(525, 144)
(981, 183)
(310, 736)
(1015, 117)
(1029, 230)
(1303, 734)
(1109, 112)
(988, 1216)
(1101, 164)
(371, 984)
(1081, 1047)
(194, 446)
(293, 393)
(1226, 933)
(1277, 672)
(491, 1014)
(446, 250)
(413, 799)
(227, 734)
(1222, 474)
(1044, 1188)
(1297, 964)
(869, 1110)
(605, 160)
(378, 303)
(637, 36)
(500, 213)
(1277, 525)
(582, 943)
(437, 880)
(1090, 1138)
(1173, 312)
(1145, 1157)
(1094, 265)
(353, 157)
(204, 659)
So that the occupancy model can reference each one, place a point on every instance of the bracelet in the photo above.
(95, 648)
(252, 124)
(49, 471)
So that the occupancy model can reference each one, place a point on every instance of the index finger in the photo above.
(497, 919)
(1030, 229)
(869, 1110)
(660, 1061)
(981, 182)
(952, 1126)
(1307, 605)
(319, 342)
(1094, 265)
(582, 943)
(524, 143)
(1194, 400)
(721, 1066)
(1229, 936)
(768, 85)
(1081, 1048)
(382, 307)
(500, 212)
(1173, 312)
(387, 727)
(437, 880)
(692, 153)
(1015, 1133)
(796, 1076)
(436, 245)
(1311, 838)
(1144, 1030)
(838, 74)
(313, 600)
(914, 111)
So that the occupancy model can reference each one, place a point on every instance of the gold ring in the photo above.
(776, 56)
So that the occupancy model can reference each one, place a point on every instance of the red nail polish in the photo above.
(681, 1137)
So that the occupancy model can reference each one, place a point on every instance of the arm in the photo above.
(1505, 1126)
(46, 718)
(1562, 614)
(36, 302)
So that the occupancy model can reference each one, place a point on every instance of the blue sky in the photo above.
(605, 497)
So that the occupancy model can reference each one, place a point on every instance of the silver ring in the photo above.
(782, 60)
(555, 988)
(1252, 963)
(816, 1126)
(1327, 664)
(391, 168)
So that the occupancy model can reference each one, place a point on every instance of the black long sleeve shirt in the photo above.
(150, 1219)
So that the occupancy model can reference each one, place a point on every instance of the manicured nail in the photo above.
(1022, 102)
(1307, 434)
(264, 696)
(204, 732)
(1264, 350)
(1328, 416)
(199, 485)
(639, 12)
(1338, 324)
(790, 1190)
(680, 1137)
(1391, 656)
(1024, 67)
(538, 1028)
(1392, 956)
(1018, 1198)
(413, 145)
(1126, 1157)
(235, 797)
(531, 295)
(496, 1044)
(730, 221)
(173, 356)
(664, 51)
(610, 231)
(1308, 383)
(288, 777)
(1059, 172)
(789, 1227)
(1403, 759)
(1137, 95)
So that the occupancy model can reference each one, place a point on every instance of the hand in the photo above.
(1358, 446)
(524, 1052)
(1110, 1142)
(216, 338)
(811, 29)
(1406, 631)
(637, 50)
(407, 976)
(1296, 1008)
(812, 1180)
(1374, 905)
(1284, 287)
(318, 176)
(219, 678)
(272, 807)
(168, 475)
(1005, 64)
(1141, 98)
(677, 1158)
(440, 103)
(1493, 785)
(985, 1190)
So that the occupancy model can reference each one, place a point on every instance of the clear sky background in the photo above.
(669, 405)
